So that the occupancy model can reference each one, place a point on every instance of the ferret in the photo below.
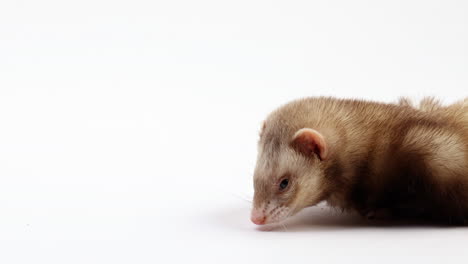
(380, 160)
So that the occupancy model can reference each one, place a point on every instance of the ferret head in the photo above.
(289, 173)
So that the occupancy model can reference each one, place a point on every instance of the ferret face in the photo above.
(288, 176)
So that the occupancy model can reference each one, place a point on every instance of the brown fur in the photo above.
(411, 161)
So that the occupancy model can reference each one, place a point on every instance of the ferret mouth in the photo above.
(270, 216)
(275, 221)
(277, 224)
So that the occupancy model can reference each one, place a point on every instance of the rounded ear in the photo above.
(310, 142)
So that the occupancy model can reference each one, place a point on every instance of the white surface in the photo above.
(128, 128)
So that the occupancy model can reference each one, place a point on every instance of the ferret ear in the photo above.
(308, 142)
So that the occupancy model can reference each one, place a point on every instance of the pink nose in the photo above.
(258, 218)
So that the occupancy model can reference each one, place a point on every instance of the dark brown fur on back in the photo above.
(407, 186)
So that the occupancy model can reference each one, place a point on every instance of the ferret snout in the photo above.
(258, 217)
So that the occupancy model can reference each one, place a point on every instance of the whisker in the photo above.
(284, 226)
(242, 198)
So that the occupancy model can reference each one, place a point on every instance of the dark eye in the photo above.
(283, 184)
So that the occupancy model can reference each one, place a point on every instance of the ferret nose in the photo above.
(258, 218)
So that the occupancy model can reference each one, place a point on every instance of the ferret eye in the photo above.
(283, 184)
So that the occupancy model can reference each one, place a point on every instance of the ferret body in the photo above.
(374, 158)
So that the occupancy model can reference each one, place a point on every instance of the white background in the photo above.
(128, 129)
